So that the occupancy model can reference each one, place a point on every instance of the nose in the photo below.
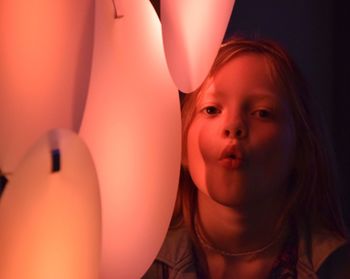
(235, 128)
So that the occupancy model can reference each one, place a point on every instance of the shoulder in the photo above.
(175, 258)
(328, 256)
(177, 247)
(337, 264)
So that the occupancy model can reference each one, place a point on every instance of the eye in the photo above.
(262, 113)
(211, 110)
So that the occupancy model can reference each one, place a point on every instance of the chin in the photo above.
(233, 200)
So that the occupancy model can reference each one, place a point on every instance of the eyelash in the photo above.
(206, 110)
(260, 113)
(264, 111)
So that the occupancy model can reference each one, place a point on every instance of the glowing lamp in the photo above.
(192, 34)
(50, 215)
(45, 62)
(132, 127)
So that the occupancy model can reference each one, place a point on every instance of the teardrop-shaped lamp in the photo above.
(132, 127)
(192, 35)
(45, 63)
(50, 213)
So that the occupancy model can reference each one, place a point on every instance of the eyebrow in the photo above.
(257, 94)
(264, 96)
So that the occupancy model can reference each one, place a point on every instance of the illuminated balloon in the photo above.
(132, 127)
(45, 63)
(192, 34)
(50, 215)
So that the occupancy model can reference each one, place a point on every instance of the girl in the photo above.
(257, 193)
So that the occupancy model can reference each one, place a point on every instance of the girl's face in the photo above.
(241, 142)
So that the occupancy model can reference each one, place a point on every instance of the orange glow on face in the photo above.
(132, 127)
(51, 222)
(45, 61)
(192, 34)
(252, 166)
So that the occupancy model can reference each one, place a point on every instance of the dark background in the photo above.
(315, 34)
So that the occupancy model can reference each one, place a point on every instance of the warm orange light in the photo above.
(132, 127)
(192, 34)
(45, 61)
(51, 221)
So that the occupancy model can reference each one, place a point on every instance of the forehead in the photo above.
(246, 74)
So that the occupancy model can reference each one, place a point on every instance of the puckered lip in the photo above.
(231, 157)
(232, 152)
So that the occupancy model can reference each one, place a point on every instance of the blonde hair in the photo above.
(313, 202)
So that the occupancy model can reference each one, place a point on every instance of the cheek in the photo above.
(201, 142)
(274, 147)
(200, 152)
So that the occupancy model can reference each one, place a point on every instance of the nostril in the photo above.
(234, 133)
(239, 133)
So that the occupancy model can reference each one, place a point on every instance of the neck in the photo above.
(238, 229)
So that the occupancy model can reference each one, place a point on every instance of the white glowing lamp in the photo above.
(50, 215)
(45, 62)
(132, 127)
(192, 34)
